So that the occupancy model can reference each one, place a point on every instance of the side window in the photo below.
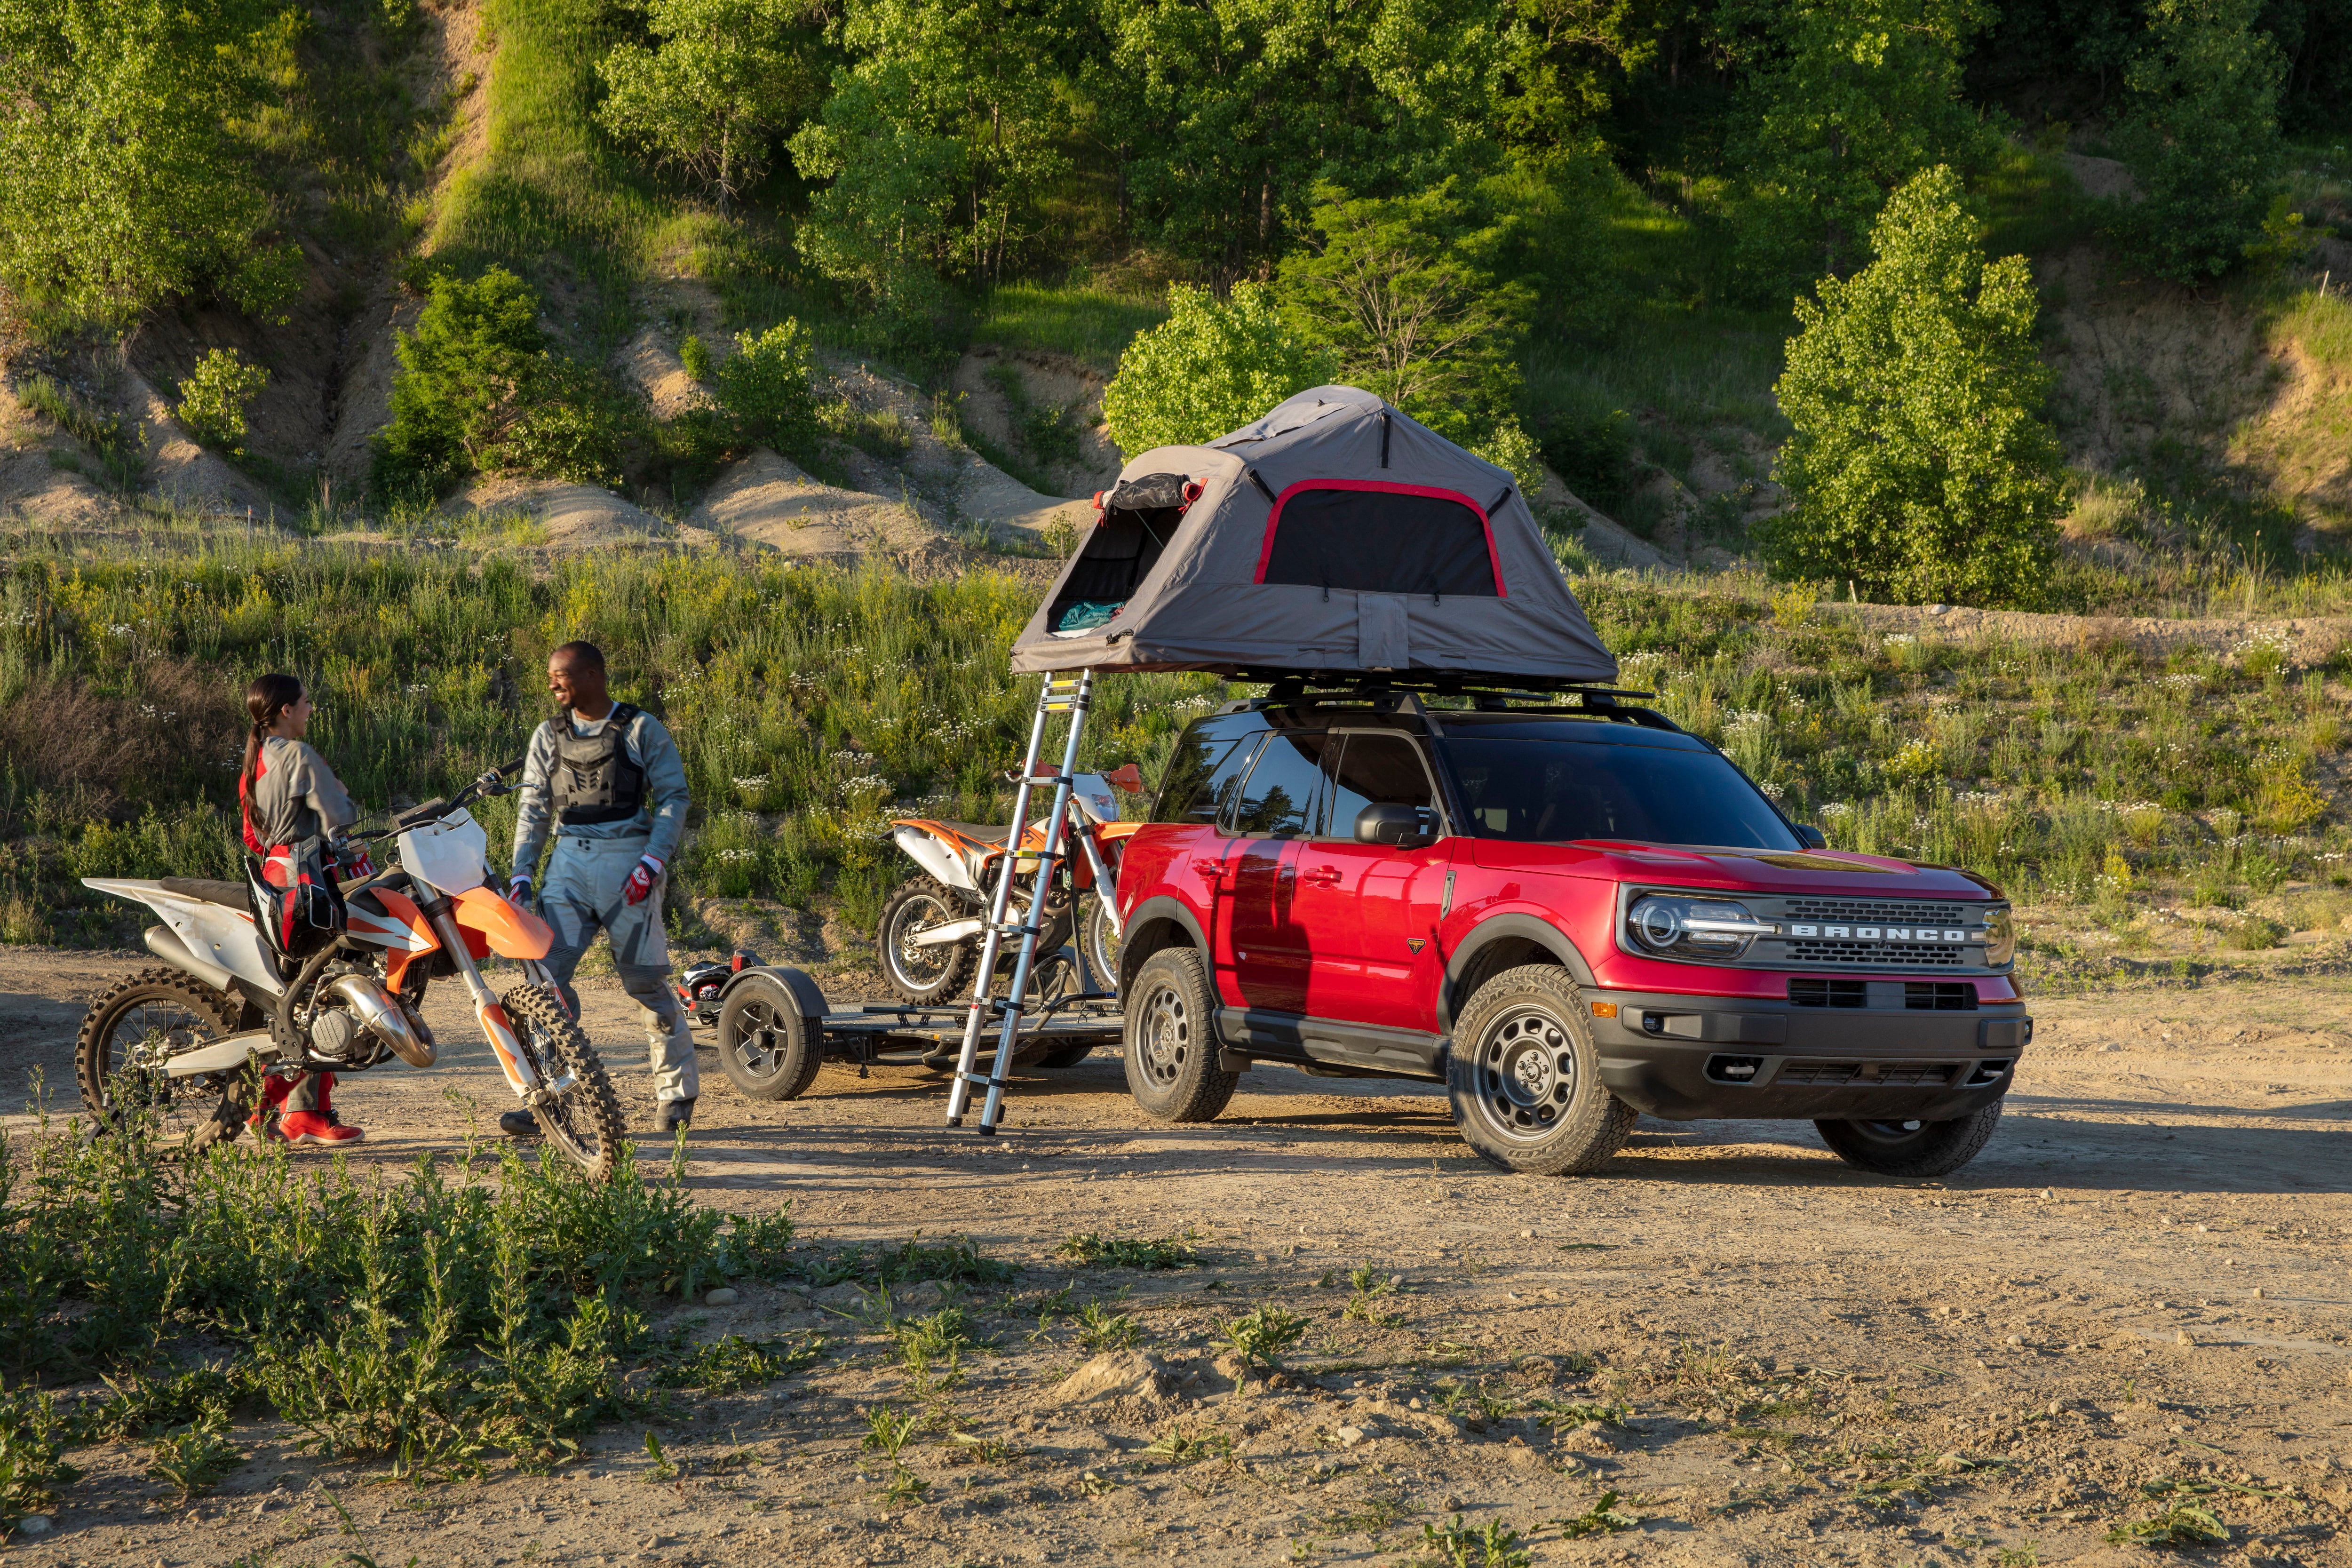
(1201, 775)
(1283, 787)
(1375, 770)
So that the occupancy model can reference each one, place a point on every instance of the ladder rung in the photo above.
(984, 1077)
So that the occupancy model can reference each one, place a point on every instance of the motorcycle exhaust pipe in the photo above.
(165, 943)
(375, 1008)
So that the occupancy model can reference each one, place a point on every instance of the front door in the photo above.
(1372, 907)
(1272, 812)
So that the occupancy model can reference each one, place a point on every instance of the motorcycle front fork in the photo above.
(496, 1028)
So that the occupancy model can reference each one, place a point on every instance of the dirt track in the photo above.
(1820, 1365)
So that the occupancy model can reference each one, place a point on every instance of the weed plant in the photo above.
(1131, 1251)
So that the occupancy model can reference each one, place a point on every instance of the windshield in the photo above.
(1556, 791)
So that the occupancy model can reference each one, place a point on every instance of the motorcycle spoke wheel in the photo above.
(585, 1120)
(128, 1036)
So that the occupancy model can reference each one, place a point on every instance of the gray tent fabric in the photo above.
(1335, 534)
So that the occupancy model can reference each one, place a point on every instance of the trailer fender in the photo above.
(811, 1000)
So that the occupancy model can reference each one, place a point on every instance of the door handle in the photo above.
(1211, 869)
(1320, 876)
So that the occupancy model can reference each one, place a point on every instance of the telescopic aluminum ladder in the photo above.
(1062, 694)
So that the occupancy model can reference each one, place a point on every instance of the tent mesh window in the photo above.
(1372, 538)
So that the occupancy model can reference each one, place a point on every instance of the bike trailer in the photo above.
(1336, 534)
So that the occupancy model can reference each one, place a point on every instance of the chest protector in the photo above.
(594, 780)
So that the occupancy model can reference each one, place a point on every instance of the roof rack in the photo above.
(1487, 694)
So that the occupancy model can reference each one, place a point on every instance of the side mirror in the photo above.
(1406, 826)
(1811, 837)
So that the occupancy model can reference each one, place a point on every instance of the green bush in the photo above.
(1920, 467)
(695, 354)
(1210, 367)
(214, 395)
(766, 387)
(1591, 453)
(2199, 132)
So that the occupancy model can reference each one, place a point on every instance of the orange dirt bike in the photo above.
(934, 925)
(190, 1042)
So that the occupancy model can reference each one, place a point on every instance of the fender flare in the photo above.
(1453, 996)
(804, 990)
(1161, 907)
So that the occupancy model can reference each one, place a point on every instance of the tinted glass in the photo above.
(1554, 791)
(1283, 786)
(1373, 770)
(1200, 775)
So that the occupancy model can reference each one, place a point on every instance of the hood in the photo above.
(1829, 872)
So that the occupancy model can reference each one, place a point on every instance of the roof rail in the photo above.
(1402, 693)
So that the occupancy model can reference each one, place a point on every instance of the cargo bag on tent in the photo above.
(1335, 534)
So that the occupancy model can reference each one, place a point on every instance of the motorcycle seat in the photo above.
(229, 895)
(979, 832)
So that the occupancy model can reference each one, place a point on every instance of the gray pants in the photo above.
(587, 880)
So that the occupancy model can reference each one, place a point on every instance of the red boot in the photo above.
(274, 1090)
(321, 1125)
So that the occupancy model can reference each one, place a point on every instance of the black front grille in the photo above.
(1829, 992)
(1868, 1075)
(1939, 997)
(1876, 954)
(1896, 911)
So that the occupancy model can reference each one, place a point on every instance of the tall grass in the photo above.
(1087, 324)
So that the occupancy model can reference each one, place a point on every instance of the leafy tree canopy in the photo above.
(2200, 134)
(720, 80)
(123, 181)
(1920, 467)
(1211, 367)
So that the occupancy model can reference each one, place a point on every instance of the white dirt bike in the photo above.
(190, 1042)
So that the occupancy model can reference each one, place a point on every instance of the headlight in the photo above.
(1693, 927)
(2000, 938)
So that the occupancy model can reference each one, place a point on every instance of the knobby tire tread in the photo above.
(960, 959)
(1940, 1149)
(97, 1032)
(527, 1006)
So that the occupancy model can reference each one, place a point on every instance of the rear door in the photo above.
(1262, 953)
(1372, 909)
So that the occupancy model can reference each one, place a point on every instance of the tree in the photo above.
(881, 222)
(765, 387)
(2200, 134)
(1404, 293)
(725, 77)
(1844, 101)
(213, 397)
(121, 178)
(1209, 368)
(1568, 58)
(1920, 467)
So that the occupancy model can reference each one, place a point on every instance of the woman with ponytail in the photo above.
(292, 808)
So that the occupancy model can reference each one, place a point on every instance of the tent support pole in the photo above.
(1056, 696)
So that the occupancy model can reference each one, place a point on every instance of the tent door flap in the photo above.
(1381, 637)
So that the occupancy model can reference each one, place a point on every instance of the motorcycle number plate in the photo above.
(450, 855)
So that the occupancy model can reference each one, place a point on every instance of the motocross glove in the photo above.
(352, 862)
(642, 880)
(518, 891)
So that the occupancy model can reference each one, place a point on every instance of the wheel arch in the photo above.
(804, 989)
(1504, 942)
(1153, 924)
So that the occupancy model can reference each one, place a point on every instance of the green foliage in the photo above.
(1130, 1251)
(33, 1444)
(1920, 467)
(1404, 293)
(695, 355)
(882, 225)
(1207, 369)
(479, 390)
(1455, 1545)
(123, 179)
(213, 397)
(765, 385)
(197, 1457)
(1262, 1337)
(1100, 1329)
(2199, 132)
(758, 1247)
(1844, 101)
(1603, 1518)
(722, 79)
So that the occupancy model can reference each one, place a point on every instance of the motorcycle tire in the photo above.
(768, 1049)
(138, 1022)
(587, 1123)
(1102, 946)
(926, 976)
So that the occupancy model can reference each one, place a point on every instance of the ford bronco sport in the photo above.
(1569, 915)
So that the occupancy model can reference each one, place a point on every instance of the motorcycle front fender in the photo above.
(509, 931)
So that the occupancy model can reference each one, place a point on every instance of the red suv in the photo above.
(1568, 915)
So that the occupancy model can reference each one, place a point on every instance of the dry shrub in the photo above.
(120, 752)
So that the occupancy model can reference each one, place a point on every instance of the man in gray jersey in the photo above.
(605, 779)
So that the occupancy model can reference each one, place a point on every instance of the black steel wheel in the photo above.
(1171, 1040)
(768, 1049)
(1525, 1079)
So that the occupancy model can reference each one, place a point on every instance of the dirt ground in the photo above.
(2134, 1299)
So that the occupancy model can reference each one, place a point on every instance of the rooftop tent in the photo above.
(1335, 534)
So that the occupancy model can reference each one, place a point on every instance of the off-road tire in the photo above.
(1912, 1148)
(768, 1048)
(916, 902)
(1525, 1078)
(1101, 945)
(590, 1128)
(1171, 1040)
(218, 1099)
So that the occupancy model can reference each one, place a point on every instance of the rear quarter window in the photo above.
(1202, 774)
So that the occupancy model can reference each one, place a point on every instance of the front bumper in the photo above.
(1683, 1058)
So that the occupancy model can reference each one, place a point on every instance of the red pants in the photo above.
(305, 1091)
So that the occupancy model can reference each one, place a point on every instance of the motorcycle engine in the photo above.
(334, 1035)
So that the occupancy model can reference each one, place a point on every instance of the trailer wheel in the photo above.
(768, 1049)
(1912, 1148)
